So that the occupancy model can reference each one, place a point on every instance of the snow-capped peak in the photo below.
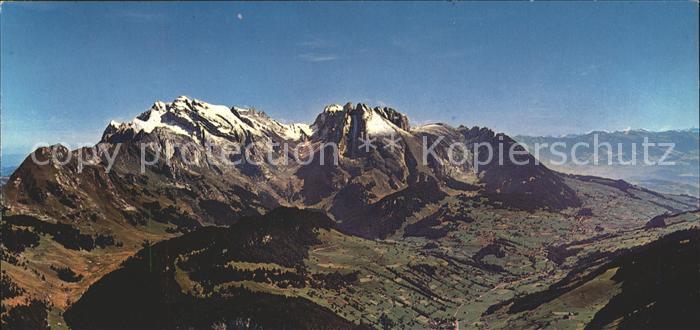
(204, 121)
(336, 122)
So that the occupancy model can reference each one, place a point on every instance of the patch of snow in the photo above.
(225, 119)
(377, 125)
(433, 128)
(267, 125)
(194, 118)
(333, 108)
(294, 131)
(154, 121)
(306, 128)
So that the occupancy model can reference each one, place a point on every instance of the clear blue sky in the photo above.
(520, 68)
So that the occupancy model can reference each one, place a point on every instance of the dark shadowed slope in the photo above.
(147, 291)
(653, 286)
(660, 286)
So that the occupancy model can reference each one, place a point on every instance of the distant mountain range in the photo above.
(165, 228)
(681, 178)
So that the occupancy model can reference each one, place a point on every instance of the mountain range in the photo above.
(162, 227)
(679, 177)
